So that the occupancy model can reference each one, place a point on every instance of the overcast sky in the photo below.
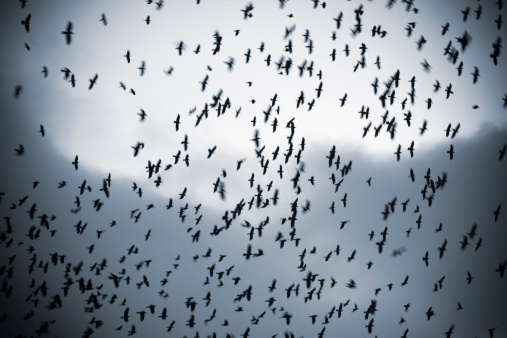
(279, 159)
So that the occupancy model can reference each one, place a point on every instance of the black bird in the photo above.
(448, 90)
(17, 91)
(475, 74)
(451, 152)
(370, 326)
(430, 313)
(469, 277)
(211, 151)
(502, 152)
(142, 115)
(351, 284)
(445, 28)
(142, 68)
(125, 316)
(423, 128)
(398, 153)
(204, 83)
(411, 149)
(455, 131)
(68, 33)
(177, 122)
(447, 130)
(425, 258)
(338, 20)
(180, 48)
(75, 162)
(442, 249)
(103, 19)
(346, 50)
(256, 138)
(421, 42)
(185, 143)
(26, 22)
(497, 212)
(352, 256)
(127, 56)
(449, 332)
(465, 13)
(93, 81)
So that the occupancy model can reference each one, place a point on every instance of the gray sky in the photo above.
(101, 125)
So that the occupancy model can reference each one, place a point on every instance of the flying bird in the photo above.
(75, 163)
(68, 33)
(26, 22)
(103, 19)
(93, 81)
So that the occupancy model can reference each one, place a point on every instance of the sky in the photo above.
(290, 155)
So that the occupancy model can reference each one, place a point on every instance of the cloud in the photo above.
(101, 126)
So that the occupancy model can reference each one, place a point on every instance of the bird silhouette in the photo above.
(68, 33)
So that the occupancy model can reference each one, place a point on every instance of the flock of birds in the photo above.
(99, 289)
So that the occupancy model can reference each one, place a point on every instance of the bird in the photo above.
(68, 33)
(451, 152)
(445, 28)
(411, 149)
(17, 91)
(20, 150)
(502, 152)
(103, 19)
(127, 56)
(469, 278)
(370, 325)
(26, 22)
(142, 115)
(180, 48)
(423, 128)
(426, 258)
(351, 284)
(429, 313)
(177, 122)
(75, 163)
(142, 68)
(497, 212)
(204, 83)
(211, 151)
(93, 81)
(449, 332)
(475, 75)
(398, 153)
